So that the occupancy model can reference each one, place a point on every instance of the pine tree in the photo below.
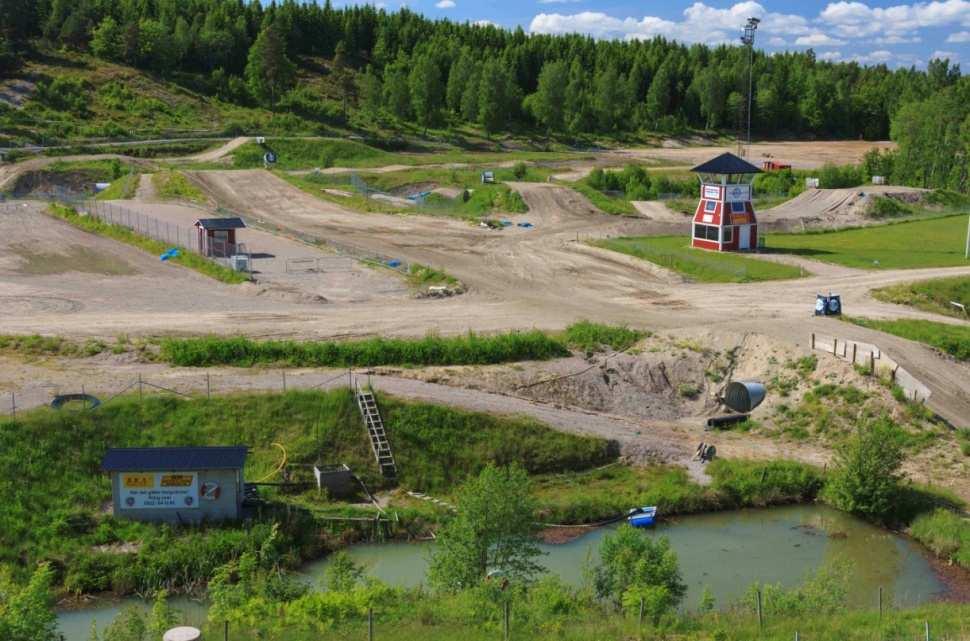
(548, 103)
(397, 93)
(493, 96)
(269, 72)
(660, 94)
(469, 97)
(371, 92)
(458, 77)
(106, 41)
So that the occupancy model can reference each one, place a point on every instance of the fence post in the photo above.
(855, 349)
(813, 340)
(13, 406)
(208, 387)
(761, 618)
(370, 624)
(226, 631)
(640, 615)
(139, 387)
(284, 379)
(872, 363)
(508, 631)
(927, 624)
(796, 635)
(880, 603)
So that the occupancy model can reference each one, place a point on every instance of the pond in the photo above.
(725, 551)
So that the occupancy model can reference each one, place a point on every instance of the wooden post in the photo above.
(208, 387)
(761, 618)
(927, 624)
(13, 406)
(640, 616)
(835, 345)
(880, 603)
(855, 349)
(813, 340)
(370, 624)
(139, 387)
(283, 372)
(872, 363)
(508, 631)
(226, 632)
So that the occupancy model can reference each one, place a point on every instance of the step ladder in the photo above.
(378, 435)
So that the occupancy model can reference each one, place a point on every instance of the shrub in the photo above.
(866, 476)
(835, 176)
(519, 170)
(590, 337)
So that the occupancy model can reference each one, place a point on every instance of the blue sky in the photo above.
(870, 32)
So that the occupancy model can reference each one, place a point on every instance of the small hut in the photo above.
(217, 236)
(725, 219)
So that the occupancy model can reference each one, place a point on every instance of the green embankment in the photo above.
(173, 185)
(941, 244)
(125, 235)
(123, 188)
(59, 517)
(674, 252)
(930, 295)
(946, 337)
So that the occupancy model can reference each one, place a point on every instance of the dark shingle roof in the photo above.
(726, 163)
(175, 459)
(219, 224)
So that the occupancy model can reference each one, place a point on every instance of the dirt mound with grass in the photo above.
(814, 208)
(67, 184)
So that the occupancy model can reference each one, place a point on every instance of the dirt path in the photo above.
(218, 153)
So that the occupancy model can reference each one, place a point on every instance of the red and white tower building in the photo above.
(725, 219)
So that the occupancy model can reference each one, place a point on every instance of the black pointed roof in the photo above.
(173, 459)
(726, 163)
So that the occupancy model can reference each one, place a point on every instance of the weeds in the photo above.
(591, 337)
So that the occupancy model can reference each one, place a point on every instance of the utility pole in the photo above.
(747, 38)
(966, 252)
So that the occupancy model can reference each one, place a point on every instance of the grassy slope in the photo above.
(930, 295)
(59, 516)
(605, 202)
(949, 338)
(125, 235)
(941, 244)
(121, 189)
(173, 185)
(674, 253)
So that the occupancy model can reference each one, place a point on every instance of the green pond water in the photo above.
(726, 551)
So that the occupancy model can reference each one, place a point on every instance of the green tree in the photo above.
(548, 103)
(162, 617)
(427, 93)
(866, 477)
(342, 574)
(397, 93)
(106, 41)
(459, 76)
(25, 611)
(469, 97)
(493, 96)
(155, 50)
(269, 72)
(660, 94)
(492, 531)
(634, 565)
(371, 92)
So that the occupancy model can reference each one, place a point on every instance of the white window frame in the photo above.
(727, 234)
(710, 206)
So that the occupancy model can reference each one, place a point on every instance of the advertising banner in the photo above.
(159, 490)
(712, 192)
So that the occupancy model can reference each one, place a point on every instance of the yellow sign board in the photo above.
(138, 480)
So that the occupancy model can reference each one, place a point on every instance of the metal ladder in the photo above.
(378, 435)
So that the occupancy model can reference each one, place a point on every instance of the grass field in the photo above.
(674, 253)
(930, 295)
(941, 244)
(605, 202)
(121, 189)
(951, 339)
(173, 185)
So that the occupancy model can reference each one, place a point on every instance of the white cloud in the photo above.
(485, 23)
(897, 40)
(855, 19)
(959, 37)
(954, 57)
(446, 4)
(830, 56)
(818, 39)
(776, 41)
(700, 23)
(559, 1)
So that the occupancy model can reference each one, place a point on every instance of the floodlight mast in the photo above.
(747, 38)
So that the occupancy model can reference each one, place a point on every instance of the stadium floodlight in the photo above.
(747, 38)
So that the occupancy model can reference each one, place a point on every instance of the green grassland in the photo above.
(173, 185)
(673, 252)
(125, 235)
(940, 244)
(608, 203)
(930, 295)
(946, 337)
(122, 188)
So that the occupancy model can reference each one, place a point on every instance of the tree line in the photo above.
(404, 66)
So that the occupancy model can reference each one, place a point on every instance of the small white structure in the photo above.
(878, 180)
(488, 176)
(811, 183)
(183, 633)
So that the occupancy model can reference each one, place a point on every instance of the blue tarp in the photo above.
(393, 263)
(506, 223)
(171, 253)
(526, 225)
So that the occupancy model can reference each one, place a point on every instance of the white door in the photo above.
(744, 239)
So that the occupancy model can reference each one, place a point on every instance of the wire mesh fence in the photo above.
(189, 386)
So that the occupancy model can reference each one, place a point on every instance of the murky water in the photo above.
(726, 552)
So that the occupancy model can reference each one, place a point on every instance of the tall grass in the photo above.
(471, 349)
(930, 295)
(946, 337)
(127, 236)
(590, 337)
(946, 533)
(173, 185)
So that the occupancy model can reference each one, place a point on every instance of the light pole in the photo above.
(747, 37)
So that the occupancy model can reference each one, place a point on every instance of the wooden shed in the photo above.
(217, 236)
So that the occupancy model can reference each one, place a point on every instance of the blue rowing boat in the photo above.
(642, 516)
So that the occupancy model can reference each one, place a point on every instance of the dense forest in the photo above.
(401, 66)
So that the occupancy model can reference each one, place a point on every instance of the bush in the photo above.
(886, 207)
(64, 94)
(866, 476)
(836, 176)
(591, 337)
(519, 170)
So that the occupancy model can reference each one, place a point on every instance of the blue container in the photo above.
(642, 516)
